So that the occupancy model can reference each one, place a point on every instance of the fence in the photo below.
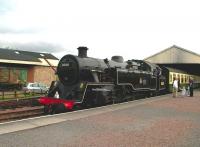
(9, 95)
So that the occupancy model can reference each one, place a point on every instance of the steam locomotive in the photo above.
(87, 82)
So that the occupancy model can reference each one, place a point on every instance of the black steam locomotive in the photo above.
(86, 82)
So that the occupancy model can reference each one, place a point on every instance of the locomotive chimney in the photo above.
(82, 52)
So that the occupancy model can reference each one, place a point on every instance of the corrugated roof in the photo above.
(174, 55)
(39, 55)
(9, 54)
(178, 47)
(174, 46)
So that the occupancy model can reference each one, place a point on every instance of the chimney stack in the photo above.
(82, 52)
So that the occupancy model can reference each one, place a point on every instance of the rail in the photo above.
(19, 113)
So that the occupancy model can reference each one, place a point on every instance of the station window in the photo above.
(174, 76)
(179, 78)
(184, 79)
(187, 79)
(170, 78)
(181, 81)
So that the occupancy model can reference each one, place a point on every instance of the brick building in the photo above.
(22, 66)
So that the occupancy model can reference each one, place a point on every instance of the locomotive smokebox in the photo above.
(82, 52)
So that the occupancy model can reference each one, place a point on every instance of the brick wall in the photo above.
(44, 75)
(30, 76)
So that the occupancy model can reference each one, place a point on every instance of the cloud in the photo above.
(33, 46)
(18, 17)
(133, 29)
(11, 30)
(5, 6)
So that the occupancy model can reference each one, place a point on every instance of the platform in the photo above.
(154, 122)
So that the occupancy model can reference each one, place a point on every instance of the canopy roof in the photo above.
(174, 55)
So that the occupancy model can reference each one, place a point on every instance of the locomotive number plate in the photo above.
(65, 64)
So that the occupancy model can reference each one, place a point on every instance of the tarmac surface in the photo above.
(154, 122)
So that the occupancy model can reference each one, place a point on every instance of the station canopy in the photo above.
(177, 57)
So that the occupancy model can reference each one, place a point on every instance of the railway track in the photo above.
(19, 113)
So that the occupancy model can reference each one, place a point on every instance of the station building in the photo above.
(180, 62)
(18, 66)
(177, 57)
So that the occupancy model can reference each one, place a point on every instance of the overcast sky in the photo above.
(134, 29)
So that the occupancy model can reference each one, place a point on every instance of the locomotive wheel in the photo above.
(49, 109)
(60, 108)
(46, 109)
(120, 94)
(99, 100)
(150, 94)
(77, 107)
